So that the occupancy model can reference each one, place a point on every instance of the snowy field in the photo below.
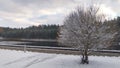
(19, 59)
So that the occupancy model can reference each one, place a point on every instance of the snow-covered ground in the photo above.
(11, 42)
(19, 59)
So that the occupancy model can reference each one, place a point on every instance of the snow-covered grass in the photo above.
(11, 43)
(19, 59)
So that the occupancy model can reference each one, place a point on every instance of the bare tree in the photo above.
(86, 29)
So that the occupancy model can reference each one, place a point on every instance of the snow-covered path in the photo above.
(19, 59)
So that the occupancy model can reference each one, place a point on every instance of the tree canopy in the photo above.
(86, 29)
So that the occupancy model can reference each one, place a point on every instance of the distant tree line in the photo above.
(115, 44)
(36, 32)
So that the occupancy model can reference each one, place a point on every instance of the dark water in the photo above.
(31, 42)
(42, 43)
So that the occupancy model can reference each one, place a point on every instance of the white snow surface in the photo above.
(19, 59)
(11, 42)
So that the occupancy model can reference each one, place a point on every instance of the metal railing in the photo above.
(25, 47)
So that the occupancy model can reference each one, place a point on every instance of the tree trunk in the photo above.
(85, 57)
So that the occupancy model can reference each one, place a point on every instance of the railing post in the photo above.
(25, 48)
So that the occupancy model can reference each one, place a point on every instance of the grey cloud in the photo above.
(48, 19)
(30, 12)
(44, 3)
(9, 23)
(9, 6)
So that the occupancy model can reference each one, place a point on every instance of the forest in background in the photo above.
(32, 32)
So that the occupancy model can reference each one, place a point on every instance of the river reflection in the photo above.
(31, 42)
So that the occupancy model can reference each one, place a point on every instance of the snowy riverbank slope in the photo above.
(19, 59)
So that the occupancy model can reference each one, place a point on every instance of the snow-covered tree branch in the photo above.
(86, 29)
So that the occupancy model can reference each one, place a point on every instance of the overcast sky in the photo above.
(24, 13)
